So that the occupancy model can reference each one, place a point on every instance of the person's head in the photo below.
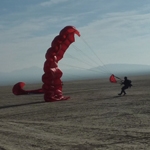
(125, 78)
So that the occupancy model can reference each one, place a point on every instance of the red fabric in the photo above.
(18, 90)
(112, 79)
(52, 84)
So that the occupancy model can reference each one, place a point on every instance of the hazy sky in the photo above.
(112, 31)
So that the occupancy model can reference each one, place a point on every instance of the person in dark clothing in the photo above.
(127, 84)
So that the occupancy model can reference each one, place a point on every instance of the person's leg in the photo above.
(122, 90)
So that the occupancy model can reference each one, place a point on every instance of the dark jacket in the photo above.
(127, 83)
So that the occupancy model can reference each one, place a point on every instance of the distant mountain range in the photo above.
(34, 74)
(27, 75)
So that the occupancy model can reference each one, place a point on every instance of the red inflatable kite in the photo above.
(52, 84)
(18, 89)
(113, 79)
(51, 78)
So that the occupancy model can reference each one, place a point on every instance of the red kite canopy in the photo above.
(52, 84)
(112, 79)
(51, 78)
(18, 90)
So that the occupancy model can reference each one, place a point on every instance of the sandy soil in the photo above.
(95, 118)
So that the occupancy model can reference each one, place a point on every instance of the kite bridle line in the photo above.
(117, 77)
(90, 63)
(106, 69)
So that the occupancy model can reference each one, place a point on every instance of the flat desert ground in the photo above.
(94, 118)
